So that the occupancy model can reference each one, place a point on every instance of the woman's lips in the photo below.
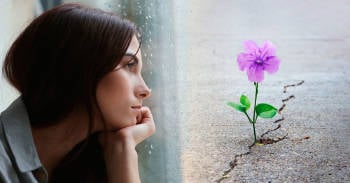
(136, 107)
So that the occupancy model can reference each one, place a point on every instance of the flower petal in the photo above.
(255, 73)
(245, 60)
(271, 65)
(250, 46)
(267, 50)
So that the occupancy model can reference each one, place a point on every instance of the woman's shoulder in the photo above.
(18, 156)
(7, 170)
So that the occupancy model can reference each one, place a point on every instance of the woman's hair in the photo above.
(58, 60)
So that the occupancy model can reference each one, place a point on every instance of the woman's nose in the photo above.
(143, 91)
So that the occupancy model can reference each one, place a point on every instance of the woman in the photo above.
(80, 113)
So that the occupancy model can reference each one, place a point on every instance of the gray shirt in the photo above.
(19, 160)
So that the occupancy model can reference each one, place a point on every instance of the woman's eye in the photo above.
(132, 63)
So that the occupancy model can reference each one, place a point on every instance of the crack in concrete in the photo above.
(262, 140)
(298, 140)
(268, 131)
(290, 97)
(266, 141)
(233, 164)
(279, 120)
(292, 85)
(284, 103)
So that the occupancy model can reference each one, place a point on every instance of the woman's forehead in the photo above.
(134, 46)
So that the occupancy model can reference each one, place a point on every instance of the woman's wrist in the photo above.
(121, 161)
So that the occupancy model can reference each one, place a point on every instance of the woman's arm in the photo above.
(119, 149)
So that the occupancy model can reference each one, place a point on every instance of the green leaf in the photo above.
(238, 107)
(245, 101)
(265, 110)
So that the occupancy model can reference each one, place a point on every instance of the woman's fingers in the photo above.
(139, 118)
(135, 134)
(146, 127)
(146, 115)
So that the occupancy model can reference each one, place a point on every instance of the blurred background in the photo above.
(189, 50)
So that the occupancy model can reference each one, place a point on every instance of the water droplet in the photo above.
(151, 146)
(149, 152)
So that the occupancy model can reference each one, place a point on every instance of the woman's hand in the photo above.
(119, 148)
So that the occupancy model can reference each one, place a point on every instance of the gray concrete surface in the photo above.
(313, 42)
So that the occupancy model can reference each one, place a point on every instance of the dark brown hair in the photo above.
(58, 60)
(60, 57)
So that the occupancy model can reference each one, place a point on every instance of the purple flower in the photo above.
(257, 59)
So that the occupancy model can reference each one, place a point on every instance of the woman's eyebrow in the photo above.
(132, 55)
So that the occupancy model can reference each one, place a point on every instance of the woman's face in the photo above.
(120, 93)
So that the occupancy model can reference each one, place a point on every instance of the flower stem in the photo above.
(255, 141)
(255, 116)
(250, 120)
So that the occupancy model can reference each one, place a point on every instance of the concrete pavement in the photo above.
(312, 40)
